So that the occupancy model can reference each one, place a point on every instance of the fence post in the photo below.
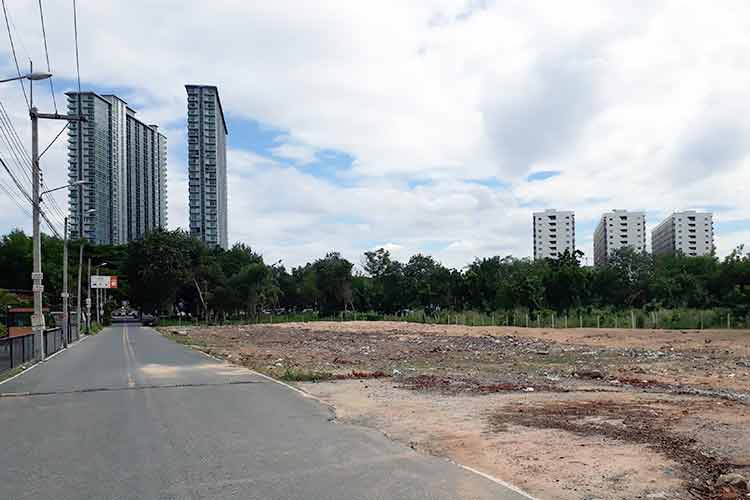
(566, 321)
(538, 321)
(527, 320)
(729, 320)
(598, 322)
(493, 319)
(701, 316)
(632, 319)
(580, 321)
(553, 320)
(616, 322)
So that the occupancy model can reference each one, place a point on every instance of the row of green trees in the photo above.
(169, 270)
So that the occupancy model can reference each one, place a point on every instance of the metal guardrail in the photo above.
(15, 351)
(53, 340)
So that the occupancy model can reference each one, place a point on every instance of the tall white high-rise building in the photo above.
(618, 229)
(690, 233)
(125, 161)
(207, 165)
(554, 232)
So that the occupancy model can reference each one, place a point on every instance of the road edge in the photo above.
(34, 365)
(332, 409)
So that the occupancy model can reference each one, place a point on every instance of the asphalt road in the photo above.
(128, 414)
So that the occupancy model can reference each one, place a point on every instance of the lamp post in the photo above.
(98, 295)
(89, 212)
(64, 295)
(37, 318)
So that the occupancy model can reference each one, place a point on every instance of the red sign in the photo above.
(113, 281)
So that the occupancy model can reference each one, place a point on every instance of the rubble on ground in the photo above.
(685, 396)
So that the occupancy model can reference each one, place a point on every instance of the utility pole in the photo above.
(37, 319)
(80, 271)
(97, 293)
(65, 284)
(88, 302)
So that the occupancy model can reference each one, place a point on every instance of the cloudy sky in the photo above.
(421, 126)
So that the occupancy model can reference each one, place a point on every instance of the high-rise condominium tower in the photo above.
(125, 162)
(207, 165)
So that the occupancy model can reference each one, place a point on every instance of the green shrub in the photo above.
(291, 375)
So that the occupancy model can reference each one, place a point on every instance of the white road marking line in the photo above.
(129, 355)
(307, 395)
(494, 480)
(28, 369)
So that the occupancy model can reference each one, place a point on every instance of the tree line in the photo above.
(170, 271)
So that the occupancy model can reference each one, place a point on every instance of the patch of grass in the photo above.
(12, 372)
(185, 340)
(95, 328)
(291, 375)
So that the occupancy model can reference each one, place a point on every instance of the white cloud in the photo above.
(298, 152)
(638, 105)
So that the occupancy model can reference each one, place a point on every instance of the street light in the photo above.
(31, 76)
(65, 295)
(89, 213)
(99, 295)
(37, 319)
(76, 183)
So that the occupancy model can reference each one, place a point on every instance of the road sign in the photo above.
(104, 282)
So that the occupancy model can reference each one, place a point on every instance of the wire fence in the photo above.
(692, 319)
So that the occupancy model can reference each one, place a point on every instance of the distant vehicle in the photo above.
(149, 320)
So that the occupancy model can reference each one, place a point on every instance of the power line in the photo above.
(14, 197)
(46, 53)
(52, 203)
(14, 143)
(16, 147)
(28, 197)
(78, 65)
(13, 152)
(15, 59)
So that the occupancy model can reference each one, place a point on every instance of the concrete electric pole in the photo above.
(88, 302)
(65, 285)
(37, 319)
(78, 304)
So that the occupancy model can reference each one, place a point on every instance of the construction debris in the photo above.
(674, 394)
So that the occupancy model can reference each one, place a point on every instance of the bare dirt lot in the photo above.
(568, 413)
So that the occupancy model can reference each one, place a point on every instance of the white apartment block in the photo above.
(554, 232)
(690, 233)
(618, 229)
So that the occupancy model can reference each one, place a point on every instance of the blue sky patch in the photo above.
(542, 175)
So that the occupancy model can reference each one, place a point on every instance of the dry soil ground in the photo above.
(564, 414)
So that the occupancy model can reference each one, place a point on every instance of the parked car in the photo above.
(149, 320)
